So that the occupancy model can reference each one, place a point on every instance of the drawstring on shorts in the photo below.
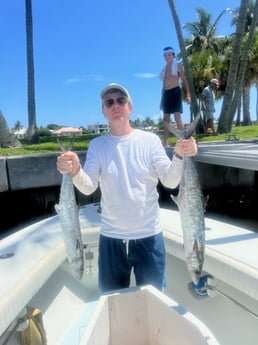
(126, 246)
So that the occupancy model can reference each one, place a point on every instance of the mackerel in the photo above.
(190, 203)
(68, 212)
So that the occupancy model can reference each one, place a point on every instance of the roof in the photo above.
(67, 131)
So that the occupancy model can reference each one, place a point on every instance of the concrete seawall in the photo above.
(216, 167)
(30, 186)
(30, 171)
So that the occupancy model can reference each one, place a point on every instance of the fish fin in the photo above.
(57, 208)
(181, 134)
(205, 202)
(69, 148)
(174, 198)
(195, 246)
(177, 132)
(185, 134)
(199, 290)
(191, 128)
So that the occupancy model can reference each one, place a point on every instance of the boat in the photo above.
(36, 279)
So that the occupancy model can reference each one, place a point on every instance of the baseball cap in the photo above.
(214, 81)
(113, 87)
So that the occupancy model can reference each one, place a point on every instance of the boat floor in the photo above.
(67, 304)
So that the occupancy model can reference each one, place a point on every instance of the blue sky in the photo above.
(80, 46)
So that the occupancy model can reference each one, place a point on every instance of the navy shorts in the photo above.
(172, 101)
(117, 258)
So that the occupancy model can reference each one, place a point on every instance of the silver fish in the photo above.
(190, 203)
(68, 212)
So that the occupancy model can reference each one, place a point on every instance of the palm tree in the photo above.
(205, 65)
(251, 74)
(203, 33)
(248, 67)
(18, 126)
(225, 119)
(245, 78)
(183, 53)
(205, 50)
(33, 135)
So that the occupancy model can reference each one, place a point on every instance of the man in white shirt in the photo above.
(127, 164)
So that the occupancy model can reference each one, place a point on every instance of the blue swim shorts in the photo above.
(117, 258)
(172, 101)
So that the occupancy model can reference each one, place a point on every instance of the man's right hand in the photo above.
(68, 162)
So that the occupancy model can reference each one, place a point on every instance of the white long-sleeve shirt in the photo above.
(127, 169)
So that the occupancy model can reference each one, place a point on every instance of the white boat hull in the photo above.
(38, 275)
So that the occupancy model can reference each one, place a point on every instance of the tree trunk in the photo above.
(194, 104)
(256, 101)
(225, 119)
(246, 106)
(241, 73)
(7, 138)
(33, 135)
(238, 120)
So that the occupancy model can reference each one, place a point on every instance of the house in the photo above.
(20, 133)
(98, 128)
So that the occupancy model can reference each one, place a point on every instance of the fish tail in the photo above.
(199, 290)
(191, 128)
(69, 148)
(185, 133)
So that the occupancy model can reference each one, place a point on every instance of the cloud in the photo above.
(73, 81)
(145, 75)
(76, 80)
(96, 77)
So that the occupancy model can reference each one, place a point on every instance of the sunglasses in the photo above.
(110, 102)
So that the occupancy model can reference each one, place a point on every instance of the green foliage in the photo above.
(49, 143)
(44, 132)
(205, 66)
(241, 132)
(53, 126)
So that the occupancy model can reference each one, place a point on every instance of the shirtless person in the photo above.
(171, 94)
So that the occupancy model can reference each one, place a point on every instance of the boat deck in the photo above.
(230, 251)
(29, 258)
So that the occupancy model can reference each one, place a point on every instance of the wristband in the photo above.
(178, 156)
